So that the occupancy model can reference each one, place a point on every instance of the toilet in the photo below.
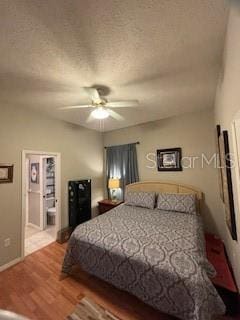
(51, 216)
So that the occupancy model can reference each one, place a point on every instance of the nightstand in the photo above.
(106, 205)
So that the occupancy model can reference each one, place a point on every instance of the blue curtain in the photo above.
(122, 164)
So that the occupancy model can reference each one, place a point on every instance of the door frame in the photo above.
(57, 156)
(27, 164)
(236, 153)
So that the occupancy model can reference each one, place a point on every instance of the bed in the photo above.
(156, 255)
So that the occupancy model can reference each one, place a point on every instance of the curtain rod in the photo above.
(122, 144)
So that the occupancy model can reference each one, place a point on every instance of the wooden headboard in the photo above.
(166, 187)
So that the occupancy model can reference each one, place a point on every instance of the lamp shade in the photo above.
(113, 183)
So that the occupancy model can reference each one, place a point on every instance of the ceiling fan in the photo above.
(102, 108)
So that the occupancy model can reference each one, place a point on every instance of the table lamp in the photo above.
(114, 184)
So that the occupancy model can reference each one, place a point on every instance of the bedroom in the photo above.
(179, 60)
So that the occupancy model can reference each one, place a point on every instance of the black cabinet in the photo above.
(79, 198)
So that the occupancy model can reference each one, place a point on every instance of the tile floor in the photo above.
(36, 239)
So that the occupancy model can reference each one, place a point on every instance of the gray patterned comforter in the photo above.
(155, 255)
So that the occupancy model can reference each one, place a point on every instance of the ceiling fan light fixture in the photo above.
(100, 113)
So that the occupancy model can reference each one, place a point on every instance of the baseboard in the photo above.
(10, 264)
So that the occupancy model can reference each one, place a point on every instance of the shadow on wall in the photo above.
(207, 217)
(97, 186)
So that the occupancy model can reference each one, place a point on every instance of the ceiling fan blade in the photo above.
(75, 107)
(115, 115)
(93, 93)
(123, 104)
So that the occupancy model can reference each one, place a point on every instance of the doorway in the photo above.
(41, 215)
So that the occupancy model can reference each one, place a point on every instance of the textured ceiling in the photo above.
(165, 53)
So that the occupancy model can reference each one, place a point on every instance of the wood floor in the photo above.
(34, 289)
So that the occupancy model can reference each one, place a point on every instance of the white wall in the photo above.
(81, 157)
(227, 106)
(195, 134)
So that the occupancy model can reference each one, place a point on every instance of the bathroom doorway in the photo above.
(41, 200)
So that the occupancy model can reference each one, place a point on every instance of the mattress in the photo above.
(157, 256)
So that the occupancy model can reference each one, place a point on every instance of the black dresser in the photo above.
(79, 201)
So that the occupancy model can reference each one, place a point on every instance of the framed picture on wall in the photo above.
(34, 174)
(6, 173)
(220, 179)
(169, 159)
(227, 184)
